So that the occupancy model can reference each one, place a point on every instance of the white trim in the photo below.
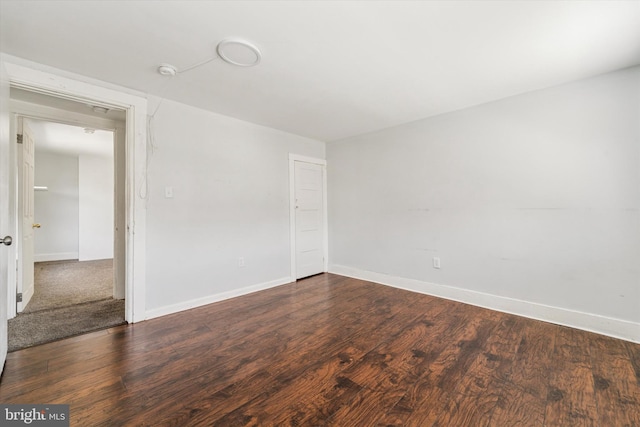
(20, 110)
(609, 326)
(57, 115)
(306, 159)
(292, 209)
(14, 264)
(60, 256)
(325, 214)
(136, 135)
(199, 302)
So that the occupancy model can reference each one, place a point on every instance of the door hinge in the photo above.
(19, 297)
(19, 138)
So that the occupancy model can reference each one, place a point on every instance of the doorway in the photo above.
(76, 88)
(70, 205)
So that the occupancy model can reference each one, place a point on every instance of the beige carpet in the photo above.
(64, 283)
(70, 298)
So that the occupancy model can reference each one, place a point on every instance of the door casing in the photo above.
(135, 133)
(25, 110)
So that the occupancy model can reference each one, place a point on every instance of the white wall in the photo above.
(96, 209)
(230, 183)
(57, 208)
(533, 198)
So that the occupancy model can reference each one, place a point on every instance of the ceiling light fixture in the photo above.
(232, 51)
(239, 52)
(89, 130)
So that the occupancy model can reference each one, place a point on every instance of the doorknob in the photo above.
(36, 225)
(7, 240)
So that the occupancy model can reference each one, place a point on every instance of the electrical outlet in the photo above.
(436, 262)
(241, 262)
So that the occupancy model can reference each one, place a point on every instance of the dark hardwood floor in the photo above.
(330, 350)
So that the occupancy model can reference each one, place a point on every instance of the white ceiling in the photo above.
(70, 140)
(330, 69)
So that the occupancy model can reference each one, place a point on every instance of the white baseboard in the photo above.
(59, 256)
(612, 327)
(198, 302)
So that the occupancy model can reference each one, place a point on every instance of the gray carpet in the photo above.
(29, 329)
(70, 298)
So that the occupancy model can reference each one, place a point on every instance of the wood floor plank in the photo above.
(284, 340)
(334, 394)
(634, 357)
(571, 397)
(146, 372)
(533, 363)
(334, 351)
(289, 378)
(616, 390)
(275, 336)
(454, 356)
(380, 372)
(478, 392)
(517, 408)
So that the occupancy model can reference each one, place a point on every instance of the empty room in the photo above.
(341, 213)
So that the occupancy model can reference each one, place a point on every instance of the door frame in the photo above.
(292, 209)
(135, 174)
(21, 110)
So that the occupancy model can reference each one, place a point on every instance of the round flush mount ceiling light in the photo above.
(239, 52)
(167, 70)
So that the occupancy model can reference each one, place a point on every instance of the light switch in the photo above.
(168, 192)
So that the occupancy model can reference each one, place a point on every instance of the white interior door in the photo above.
(309, 219)
(6, 228)
(26, 285)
